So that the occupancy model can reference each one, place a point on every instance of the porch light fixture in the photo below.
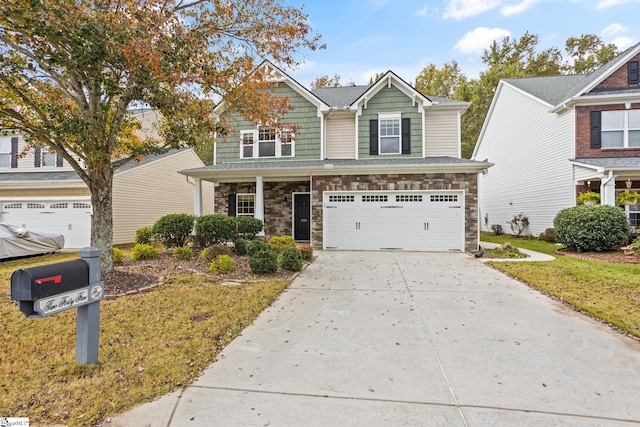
(628, 183)
(284, 201)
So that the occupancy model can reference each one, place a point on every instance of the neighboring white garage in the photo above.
(394, 220)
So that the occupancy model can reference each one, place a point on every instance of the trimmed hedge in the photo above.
(144, 235)
(292, 259)
(215, 228)
(248, 226)
(222, 264)
(595, 228)
(143, 252)
(174, 229)
(280, 243)
(256, 246)
(118, 255)
(264, 261)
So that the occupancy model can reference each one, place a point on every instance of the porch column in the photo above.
(197, 197)
(608, 190)
(259, 202)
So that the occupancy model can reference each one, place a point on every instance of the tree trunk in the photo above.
(100, 186)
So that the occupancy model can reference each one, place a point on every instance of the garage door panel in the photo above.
(415, 221)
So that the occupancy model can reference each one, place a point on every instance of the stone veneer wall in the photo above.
(277, 216)
(438, 181)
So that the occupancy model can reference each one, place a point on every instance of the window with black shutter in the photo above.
(373, 137)
(596, 128)
(406, 136)
(634, 72)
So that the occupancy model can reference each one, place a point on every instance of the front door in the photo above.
(302, 216)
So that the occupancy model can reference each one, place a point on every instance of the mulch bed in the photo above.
(616, 257)
(132, 277)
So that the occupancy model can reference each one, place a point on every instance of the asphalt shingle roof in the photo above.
(339, 97)
(612, 163)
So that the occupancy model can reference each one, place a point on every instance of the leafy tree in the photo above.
(375, 78)
(71, 70)
(326, 81)
(442, 83)
(588, 52)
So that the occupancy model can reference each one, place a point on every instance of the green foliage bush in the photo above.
(241, 246)
(497, 229)
(549, 235)
(208, 254)
(635, 245)
(307, 252)
(248, 226)
(144, 235)
(215, 228)
(184, 253)
(143, 252)
(507, 250)
(256, 246)
(264, 261)
(174, 229)
(596, 228)
(118, 255)
(222, 264)
(291, 259)
(280, 243)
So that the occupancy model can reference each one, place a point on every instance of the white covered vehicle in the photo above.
(18, 241)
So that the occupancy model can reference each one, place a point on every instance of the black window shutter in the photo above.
(634, 72)
(14, 152)
(38, 156)
(595, 129)
(406, 136)
(373, 137)
(59, 160)
(232, 205)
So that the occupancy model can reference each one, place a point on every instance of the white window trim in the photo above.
(6, 139)
(625, 129)
(390, 116)
(256, 143)
(238, 196)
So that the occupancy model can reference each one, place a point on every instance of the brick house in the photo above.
(362, 168)
(552, 138)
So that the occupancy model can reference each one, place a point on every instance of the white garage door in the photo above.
(70, 218)
(394, 220)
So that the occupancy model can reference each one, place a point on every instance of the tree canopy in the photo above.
(509, 58)
(71, 70)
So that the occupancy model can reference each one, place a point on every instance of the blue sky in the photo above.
(368, 36)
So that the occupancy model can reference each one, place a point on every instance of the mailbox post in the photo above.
(49, 289)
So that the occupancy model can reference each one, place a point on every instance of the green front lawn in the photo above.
(150, 344)
(610, 292)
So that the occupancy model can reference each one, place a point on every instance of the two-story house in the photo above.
(39, 190)
(552, 138)
(358, 168)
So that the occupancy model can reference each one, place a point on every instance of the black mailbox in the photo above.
(31, 284)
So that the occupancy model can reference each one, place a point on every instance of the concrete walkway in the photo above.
(411, 339)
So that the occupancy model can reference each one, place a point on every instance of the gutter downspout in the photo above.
(608, 190)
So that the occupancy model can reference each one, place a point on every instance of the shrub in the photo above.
(549, 235)
(248, 226)
(280, 243)
(497, 229)
(174, 229)
(142, 252)
(241, 246)
(256, 246)
(636, 246)
(595, 228)
(144, 235)
(291, 259)
(307, 252)
(184, 253)
(507, 250)
(208, 254)
(118, 255)
(215, 228)
(222, 264)
(588, 198)
(265, 261)
(518, 223)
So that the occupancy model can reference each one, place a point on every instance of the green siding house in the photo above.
(351, 168)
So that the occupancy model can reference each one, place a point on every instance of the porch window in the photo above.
(634, 215)
(620, 129)
(245, 204)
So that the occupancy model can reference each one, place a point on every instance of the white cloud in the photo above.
(460, 9)
(604, 4)
(423, 11)
(614, 29)
(477, 40)
(509, 10)
(623, 42)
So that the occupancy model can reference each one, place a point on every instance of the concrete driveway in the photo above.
(411, 339)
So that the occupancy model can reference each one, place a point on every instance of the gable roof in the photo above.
(339, 97)
(560, 90)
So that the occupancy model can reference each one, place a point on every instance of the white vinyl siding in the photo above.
(144, 193)
(340, 134)
(530, 148)
(442, 133)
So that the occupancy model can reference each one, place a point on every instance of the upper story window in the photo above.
(620, 129)
(389, 133)
(267, 142)
(634, 72)
(44, 158)
(5, 152)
